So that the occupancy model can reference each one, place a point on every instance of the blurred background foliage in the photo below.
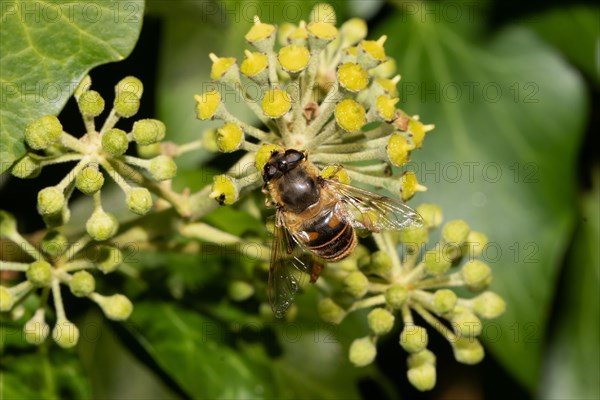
(513, 89)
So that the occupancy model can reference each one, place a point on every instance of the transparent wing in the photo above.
(372, 211)
(289, 263)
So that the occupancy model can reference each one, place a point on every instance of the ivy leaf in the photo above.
(47, 48)
(509, 116)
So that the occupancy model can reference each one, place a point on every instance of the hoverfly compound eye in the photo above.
(293, 157)
(269, 172)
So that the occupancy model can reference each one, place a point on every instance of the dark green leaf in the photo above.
(47, 48)
(509, 116)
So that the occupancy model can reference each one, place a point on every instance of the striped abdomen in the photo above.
(329, 236)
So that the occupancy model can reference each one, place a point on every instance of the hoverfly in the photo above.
(316, 219)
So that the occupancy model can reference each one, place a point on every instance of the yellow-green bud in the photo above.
(101, 225)
(352, 77)
(385, 70)
(8, 224)
(294, 58)
(207, 104)
(413, 338)
(209, 140)
(230, 137)
(322, 12)
(465, 323)
(115, 142)
(284, 31)
(371, 52)
(220, 66)
(126, 104)
(431, 213)
(224, 190)
(362, 352)
(116, 307)
(422, 377)
(89, 180)
(436, 262)
(139, 200)
(7, 300)
(455, 231)
(259, 31)
(356, 284)
(489, 305)
(130, 84)
(65, 334)
(414, 237)
(50, 201)
(240, 290)
(59, 219)
(475, 243)
(163, 168)
(410, 185)
(420, 358)
(398, 149)
(381, 321)
(276, 103)
(350, 115)
(254, 63)
(264, 154)
(43, 132)
(396, 295)
(476, 274)
(417, 131)
(381, 263)
(90, 103)
(353, 30)
(468, 350)
(149, 150)
(444, 301)
(109, 259)
(341, 175)
(39, 273)
(54, 244)
(385, 107)
(330, 312)
(26, 167)
(83, 86)
(148, 131)
(82, 284)
(36, 330)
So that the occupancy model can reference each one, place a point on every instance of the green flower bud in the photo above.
(89, 180)
(101, 225)
(476, 274)
(489, 305)
(65, 334)
(139, 200)
(58, 219)
(54, 243)
(7, 300)
(330, 312)
(50, 201)
(207, 104)
(422, 377)
(396, 295)
(476, 242)
(414, 238)
(148, 131)
(362, 352)
(468, 350)
(444, 301)
(240, 290)
(209, 140)
(8, 224)
(220, 67)
(420, 358)
(39, 273)
(43, 132)
(116, 307)
(371, 52)
(126, 104)
(259, 32)
(385, 70)
(90, 103)
(109, 259)
(413, 338)
(36, 330)
(398, 149)
(149, 150)
(436, 262)
(356, 284)
(381, 263)
(466, 324)
(353, 30)
(130, 84)
(230, 137)
(83, 86)
(224, 190)
(455, 231)
(410, 186)
(432, 214)
(82, 284)
(163, 168)
(255, 65)
(26, 167)
(115, 142)
(350, 115)
(381, 321)
(322, 12)
(320, 34)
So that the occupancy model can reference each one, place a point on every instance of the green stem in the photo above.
(26, 246)
(434, 322)
(325, 110)
(62, 185)
(73, 143)
(187, 147)
(451, 280)
(368, 302)
(58, 301)
(44, 161)
(110, 121)
(363, 145)
(13, 266)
